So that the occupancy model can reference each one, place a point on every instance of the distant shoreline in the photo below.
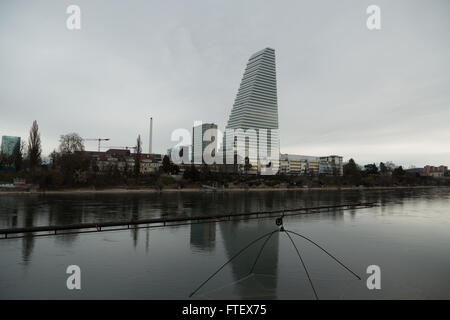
(198, 190)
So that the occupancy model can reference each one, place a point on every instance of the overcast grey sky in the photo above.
(342, 89)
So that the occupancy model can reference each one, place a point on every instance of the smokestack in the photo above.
(150, 137)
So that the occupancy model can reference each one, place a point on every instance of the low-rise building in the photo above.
(298, 164)
(124, 160)
(150, 163)
(433, 171)
(331, 165)
(301, 164)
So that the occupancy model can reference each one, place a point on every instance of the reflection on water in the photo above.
(28, 240)
(203, 236)
(239, 234)
(18, 211)
(400, 227)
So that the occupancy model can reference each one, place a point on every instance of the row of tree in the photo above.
(71, 166)
(388, 168)
(67, 163)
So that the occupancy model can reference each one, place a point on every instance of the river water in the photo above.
(407, 236)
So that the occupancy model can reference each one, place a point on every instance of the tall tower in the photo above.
(256, 107)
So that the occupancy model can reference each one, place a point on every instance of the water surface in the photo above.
(407, 235)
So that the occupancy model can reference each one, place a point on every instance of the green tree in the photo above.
(166, 166)
(18, 156)
(371, 169)
(398, 172)
(137, 157)
(72, 166)
(191, 173)
(34, 146)
(351, 168)
(352, 172)
(383, 169)
(2, 160)
(174, 169)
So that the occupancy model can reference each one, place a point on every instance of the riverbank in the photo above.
(172, 190)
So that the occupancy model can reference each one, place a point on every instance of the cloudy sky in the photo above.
(342, 89)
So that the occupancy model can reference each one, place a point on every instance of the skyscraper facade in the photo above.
(10, 145)
(253, 121)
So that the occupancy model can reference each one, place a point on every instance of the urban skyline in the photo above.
(372, 107)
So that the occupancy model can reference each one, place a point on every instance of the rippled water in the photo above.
(408, 236)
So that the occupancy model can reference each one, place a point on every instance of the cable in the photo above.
(232, 258)
(306, 238)
(260, 251)
(304, 266)
(279, 222)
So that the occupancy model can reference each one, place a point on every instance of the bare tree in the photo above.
(54, 156)
(70, 143)
(34, 146)
(137, 156)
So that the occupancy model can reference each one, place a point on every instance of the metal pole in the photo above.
(165, 221)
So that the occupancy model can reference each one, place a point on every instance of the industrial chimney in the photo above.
(150, 137)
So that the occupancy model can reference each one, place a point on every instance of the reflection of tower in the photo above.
(238, 234)
(28, 239)
(203, 236)
(135, 216)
